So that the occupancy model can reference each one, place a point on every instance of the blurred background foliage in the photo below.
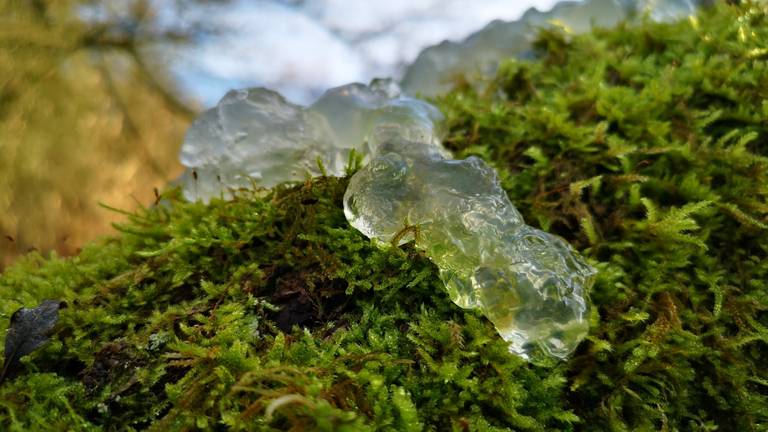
(88, 114)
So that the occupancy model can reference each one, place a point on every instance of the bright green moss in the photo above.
(645, 147)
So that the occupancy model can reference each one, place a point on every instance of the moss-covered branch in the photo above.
(646, 147)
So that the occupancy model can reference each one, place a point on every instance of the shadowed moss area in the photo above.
(646, 147)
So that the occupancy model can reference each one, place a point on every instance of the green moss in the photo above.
(646, 147)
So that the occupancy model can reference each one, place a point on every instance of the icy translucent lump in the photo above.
(254, 137)
(435, 68)
(531, 285)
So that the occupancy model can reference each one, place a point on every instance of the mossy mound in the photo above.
(646, 147)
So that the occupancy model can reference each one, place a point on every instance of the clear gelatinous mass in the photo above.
(254, 137)
(532, 285)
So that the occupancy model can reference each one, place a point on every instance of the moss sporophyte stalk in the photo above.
(644, 146)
